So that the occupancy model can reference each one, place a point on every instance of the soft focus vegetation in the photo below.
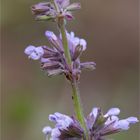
(29, 96)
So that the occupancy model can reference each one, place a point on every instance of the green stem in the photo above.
(78, 108)
(65, 41)
(76, 95)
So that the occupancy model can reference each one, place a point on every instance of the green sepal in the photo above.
(44, 17)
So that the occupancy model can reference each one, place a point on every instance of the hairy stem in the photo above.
(78, 108)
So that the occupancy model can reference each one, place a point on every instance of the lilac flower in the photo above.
(51, 35)
(47, 130)
(53, 60)
(33, 52)
(48, 11)
(65, 128)
(76, 41)
(112, 112)
(99, 125)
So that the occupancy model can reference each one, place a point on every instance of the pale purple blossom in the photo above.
(132, 120)
(65, 127)
(47, 130)
(121, 125)
(112, 111)
(50, 35)
(101, 125)
(125, 123)
(76, 41)
(33, 52)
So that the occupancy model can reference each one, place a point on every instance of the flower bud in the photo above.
(88, 65)
(74, 6)
(41, 8)
(78, 51)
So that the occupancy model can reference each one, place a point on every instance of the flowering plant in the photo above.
(63, 57)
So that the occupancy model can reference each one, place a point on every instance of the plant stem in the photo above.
(76, 95)
(78, 108)
(61, 25)
(65, 41)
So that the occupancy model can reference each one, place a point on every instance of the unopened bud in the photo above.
(88, 65)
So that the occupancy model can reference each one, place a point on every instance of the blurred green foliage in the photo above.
(19, 108)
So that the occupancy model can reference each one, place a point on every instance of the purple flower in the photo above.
(101, 125)
(65, 127)
(76, 41)
(33, 52)
(47, 130)
(53, 60)
(51, 36)
(112, 112)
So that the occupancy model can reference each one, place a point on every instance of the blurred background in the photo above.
(29, 96)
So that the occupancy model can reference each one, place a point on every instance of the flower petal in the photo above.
(94, 112)
(74, 6)
(50, 35)
(29, 49)
(112, 112)
(55, 134)
(39, 51)
(34, 56)
(132, 120)
(111, 119)
(65, 3)
(83, 43)
(122, 124)
(52, 118)
(47, 130)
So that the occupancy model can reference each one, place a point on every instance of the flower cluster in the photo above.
(99, 125)
(53, 60)
(54, 10)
